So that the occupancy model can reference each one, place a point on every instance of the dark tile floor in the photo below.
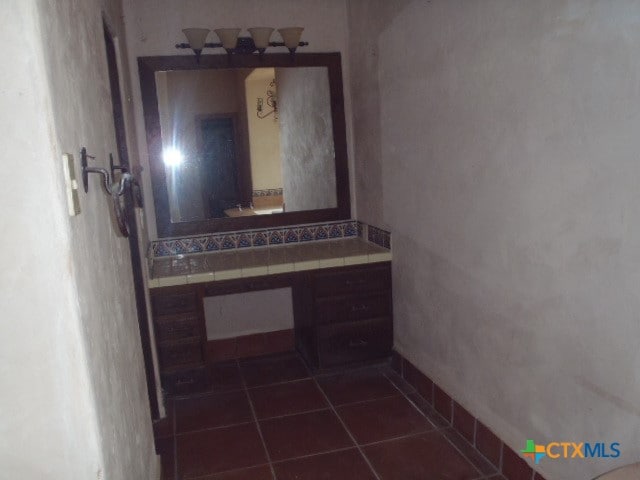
(269, 418)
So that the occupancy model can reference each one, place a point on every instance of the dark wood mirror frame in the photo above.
(148, 66)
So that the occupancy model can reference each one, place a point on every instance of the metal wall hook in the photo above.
(86, 170)
(113, 167)
(109, 185)
(115, 189)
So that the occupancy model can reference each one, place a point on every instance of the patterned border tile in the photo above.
(375, 235)
(270, 192)
(258, 238)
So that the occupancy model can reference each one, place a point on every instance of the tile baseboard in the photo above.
(508, 462)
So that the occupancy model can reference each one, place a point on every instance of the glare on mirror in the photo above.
(240, 142)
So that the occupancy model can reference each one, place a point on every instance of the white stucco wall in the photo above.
(74, 402)
(509, 176)
(155, 26)
(306, 139)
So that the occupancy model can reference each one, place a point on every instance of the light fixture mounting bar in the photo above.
(245, 45)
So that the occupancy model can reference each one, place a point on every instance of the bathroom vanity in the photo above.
(342, 314)
(218, 162)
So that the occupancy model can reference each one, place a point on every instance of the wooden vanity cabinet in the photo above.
(180, 337)
(344, 315)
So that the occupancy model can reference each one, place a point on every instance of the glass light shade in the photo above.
(228, 37)
(291, 36)
(261, 36)
(196, 37)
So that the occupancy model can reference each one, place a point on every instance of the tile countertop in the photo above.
(208, 267)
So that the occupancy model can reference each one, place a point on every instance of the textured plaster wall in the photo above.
(154, 27)
(508, 172)
(74, 403)
(306, 139)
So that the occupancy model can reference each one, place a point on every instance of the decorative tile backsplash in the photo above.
(270, 192)
(271, 236)
(378, 236)
(255, 238)
(375, 235)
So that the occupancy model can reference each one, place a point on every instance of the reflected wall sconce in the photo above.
(230, 40)
(272, 102)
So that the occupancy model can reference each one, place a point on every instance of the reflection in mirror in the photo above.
(246, 141)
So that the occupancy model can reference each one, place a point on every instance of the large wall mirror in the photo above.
(245, 141)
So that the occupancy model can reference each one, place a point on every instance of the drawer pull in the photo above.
(185, 381)
(358, 343)
(359, 308)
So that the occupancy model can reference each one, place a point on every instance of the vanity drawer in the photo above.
(354, 307)
(170, 328)
(188, 352)
(354, 281)
(166, 304)
(184, 381)
(344, 343)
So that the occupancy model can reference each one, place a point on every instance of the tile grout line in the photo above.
(208, 476)
(368, 400)
(335, 412)
(317, 454)
(210, 429)
(438, 429)
(255, 419)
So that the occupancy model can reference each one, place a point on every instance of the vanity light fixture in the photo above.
(230, 40)
(272, 101)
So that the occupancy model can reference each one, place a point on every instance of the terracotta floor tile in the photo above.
(263, 472)
(304, 434)
(383, 419)
(217, 437)
(273, 369)
(213, 410)
(219, 450)
(421, 457)
(287, 398)
(356, 386)
(342, 465)
(224, 377)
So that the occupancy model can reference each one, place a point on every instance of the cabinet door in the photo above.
(352, 342)
(170, 303)
(171, 328)
(353, 280)
(353, 307)
(180, 354)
